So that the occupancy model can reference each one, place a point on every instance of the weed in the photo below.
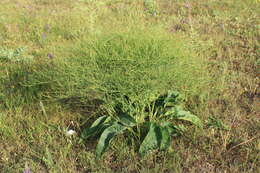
(86, 59)
(159, 117)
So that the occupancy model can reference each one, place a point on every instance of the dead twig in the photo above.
(242, 143)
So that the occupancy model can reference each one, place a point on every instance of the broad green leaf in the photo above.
(172, 98)
(95, 127)
(187, 116)
(126, 119)
(166, 139)
(172, 112)
(178, 113)
(152, 139)
(99, 121)
(107, 136)
(168, 100)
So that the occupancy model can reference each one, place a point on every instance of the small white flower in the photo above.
(70, 133)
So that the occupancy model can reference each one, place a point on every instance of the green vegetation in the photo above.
(157, 116)
(130, 78)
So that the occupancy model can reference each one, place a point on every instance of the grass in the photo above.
(68, 55)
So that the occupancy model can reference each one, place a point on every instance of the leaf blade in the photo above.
(173, 98)
(187, 116)
(107, 135)
(94, 128)
(178, 113)
(126, 119)
(166, 139)
(152, 139)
